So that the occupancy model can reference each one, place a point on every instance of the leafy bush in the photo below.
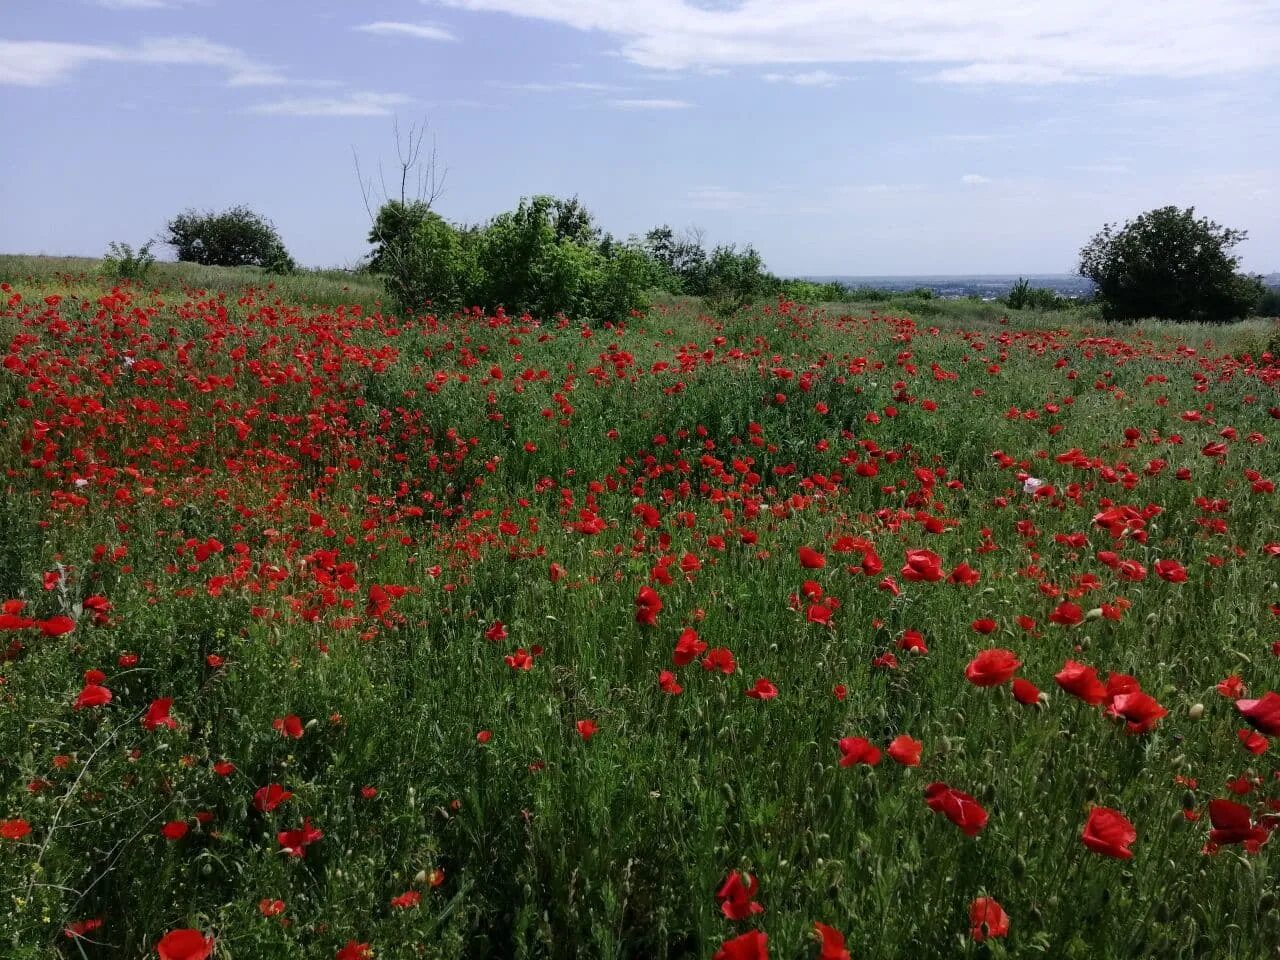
(236, 237)
(1023, 296)
(122, 262)
(1269, 305)
(1166, 263)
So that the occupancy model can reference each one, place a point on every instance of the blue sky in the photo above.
(837, 136)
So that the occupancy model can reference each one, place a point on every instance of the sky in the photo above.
(836, 136)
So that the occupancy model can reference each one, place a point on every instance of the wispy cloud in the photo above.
(641, 104)
(419, 31)
(561, 86)
(812, 78)
(992, 41)
(974, 179)
(717, 198)
(142, 4)
(349, 105)
(39, 63)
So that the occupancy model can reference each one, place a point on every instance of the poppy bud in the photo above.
(1091, 792)
(1094, 614)
(1266, 903)
(206, 869)
(1019, 867)
(988, 793)
(1188, 801)
(1162, 912)
(1196, 711)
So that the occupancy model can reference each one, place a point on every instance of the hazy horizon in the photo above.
(844, 139)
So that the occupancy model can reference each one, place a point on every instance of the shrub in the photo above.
(122, 262)
(236, 237)
(1166, 263)
(1023, 296)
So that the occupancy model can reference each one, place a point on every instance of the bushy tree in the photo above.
(236, 237)
(1168, 263)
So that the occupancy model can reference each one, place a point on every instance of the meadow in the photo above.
(841, 631)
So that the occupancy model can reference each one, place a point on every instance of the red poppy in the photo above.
(289, 726)
(855, 750)
(1109, 833)
(81, 928)
(1262, 714)
(93, 695)
(984, 626)
(750, 946)
(763, 690)
(958, 807)
(648, 606)
(922, 565)
(406, 900)
(1232, 687)
(736, 896)
(1025, 692)
(1140, 710)
(271, 908)
(295, 842)
(1232, 824)
(184, 945)
(811, 559)
(496, 632)
(586, 729)
(56, 626)
(905, 750)
(355, 951)
(987, 919)
(174, 830)
(667, 683)
(913, 642)
(266, 799)
(1253, 741)
(1067, 614)
(833, 947)
(720, 658)
(688, 647)
(14, 829)
(1081, 681)
(1171, 570)
(990, 668)
(158, 715)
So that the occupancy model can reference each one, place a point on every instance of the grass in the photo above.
(353, 519)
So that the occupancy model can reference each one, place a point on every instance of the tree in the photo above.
(236, 237)
(1167, 263)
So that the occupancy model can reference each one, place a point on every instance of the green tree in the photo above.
(236, 237)
(1167, 263)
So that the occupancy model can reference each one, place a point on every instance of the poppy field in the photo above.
(795, 634)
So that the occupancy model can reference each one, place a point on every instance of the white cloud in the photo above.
(420, 31)
(981, 41)
(350, 105)
(560, 86)
(813, 78)
(39, 63)
(716, 198)
(141, 4)
(651, 104)
(974, 179)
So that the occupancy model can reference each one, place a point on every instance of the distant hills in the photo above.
(985, 286)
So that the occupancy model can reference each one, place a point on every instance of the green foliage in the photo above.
(1269, 304)
(122, 262)
(1167, 263)
(235, 237)
(1023, 296)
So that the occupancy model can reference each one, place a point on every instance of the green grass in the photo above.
(329, 452)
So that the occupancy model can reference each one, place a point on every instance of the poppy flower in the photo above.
(990, 668)
(1140, 710)
(56, 626)
(720, 658)
(913, 642)
(1253, 741)
(1067, 614)
(14, 829)
(520, 660)
(984, 626)
(1171, 570)
(406, 900)
(763, 690)
(1109, 833)
(1232, 687)
(496, 632)
(1026, 692)
(648, 606)
(289, 726)
(158, 715)
(354, 951)
(184, 945)
(855, 750)
(688, 647)
(1262, 714)
(905, 750)
(174, 830)
(93, 695)
(81, 928)
(750, 946)
(811, 559)
(987, 919)
(818, 613)
(586, 729)
(922, 565)
(295, 842)
(270, 908)
(736, 896)
(1232, 824)
(266, 799)
(667, 683)
(1082, 682)
(833, 947)
(958, 807)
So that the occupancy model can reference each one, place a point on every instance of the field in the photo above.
(328, 633)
